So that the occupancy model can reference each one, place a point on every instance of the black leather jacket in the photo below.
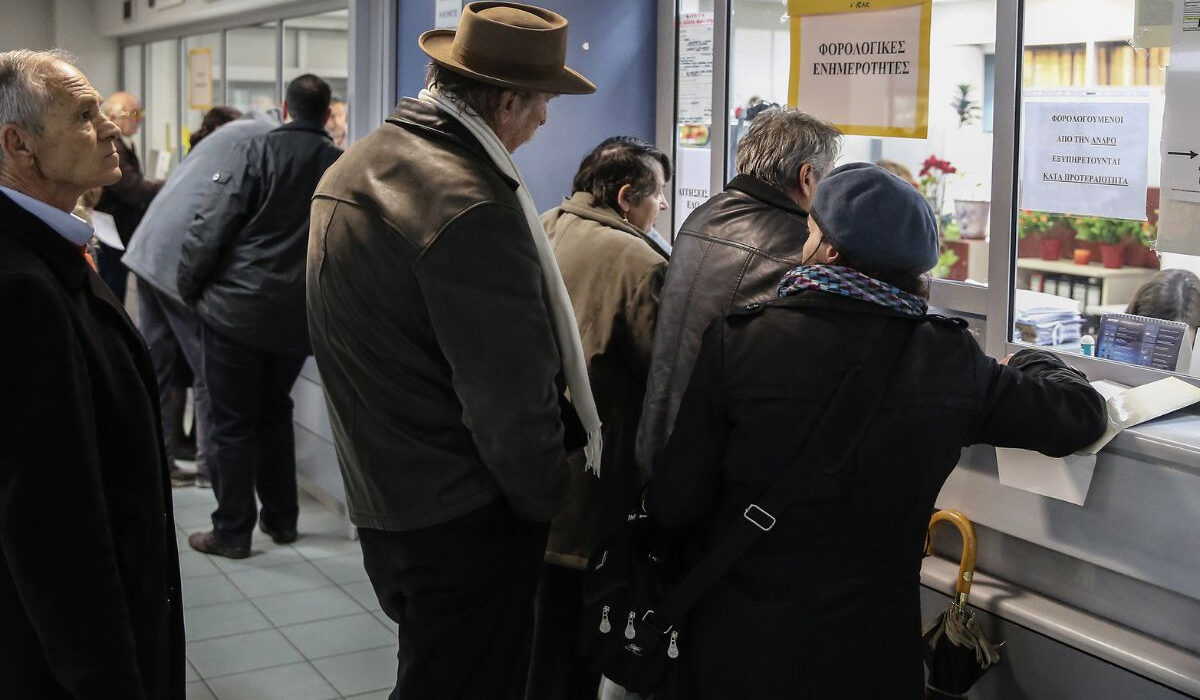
(242, 264)
(432, 330)
(731, 251)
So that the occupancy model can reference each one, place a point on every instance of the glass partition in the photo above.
(204, 83)
(131, 82)
(952, 166)
(251, 66)
(693, 140)
(161, 101)
(1095, 145)
(317, 44)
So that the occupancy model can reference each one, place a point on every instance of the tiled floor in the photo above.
(292, 622)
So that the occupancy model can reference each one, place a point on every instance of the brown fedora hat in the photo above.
(508, 44)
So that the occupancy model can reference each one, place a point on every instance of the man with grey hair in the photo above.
(732, 251)
(89, 571)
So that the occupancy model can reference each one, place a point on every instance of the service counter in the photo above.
(1096, 601)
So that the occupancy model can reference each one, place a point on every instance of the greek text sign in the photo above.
(446, 13)
(1086, 158)
(862, 64)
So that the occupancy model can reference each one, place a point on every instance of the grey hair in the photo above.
(25, 94)
(475, 96)
(783, 139)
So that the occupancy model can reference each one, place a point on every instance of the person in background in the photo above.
(732, 250)
(614, 275)
(171, 328)
(89, 572)
(126, 200)
(1172, 295)
(898, 170)
(826, 604)
(442, 330)
(336, 123)
(241, 268)
(212, 120)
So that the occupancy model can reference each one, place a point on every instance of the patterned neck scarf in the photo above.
(847, 282)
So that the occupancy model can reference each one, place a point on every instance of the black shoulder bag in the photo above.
(630, 629)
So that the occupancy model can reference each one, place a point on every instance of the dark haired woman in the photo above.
(213, 119)
(1172, 295)
(613, 272)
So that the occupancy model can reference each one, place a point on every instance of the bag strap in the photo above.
(851, 411)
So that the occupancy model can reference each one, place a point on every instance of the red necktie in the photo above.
(87, 256)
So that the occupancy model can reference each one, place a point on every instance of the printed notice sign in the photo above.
(695, 67)
(862, 64)
(200, 78)
(446, 13)
(693, 170)
(1086, 158)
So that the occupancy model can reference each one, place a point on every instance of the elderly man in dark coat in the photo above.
(441, 325)
(732, 250)
(126, 199)
(89, 574)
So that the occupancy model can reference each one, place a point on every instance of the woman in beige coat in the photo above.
(614, 271)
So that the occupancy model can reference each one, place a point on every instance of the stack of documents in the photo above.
(1044, 325)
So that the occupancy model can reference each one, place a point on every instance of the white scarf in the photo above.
(562, 315)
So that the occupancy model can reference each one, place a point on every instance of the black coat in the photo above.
(89, 572)
(126, 200)
(432, 331)
(731, 251)
(826, 604)
(243, 260)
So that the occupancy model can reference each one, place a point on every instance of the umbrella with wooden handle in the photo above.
(956, 653)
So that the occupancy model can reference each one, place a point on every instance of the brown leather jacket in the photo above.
(431, 330)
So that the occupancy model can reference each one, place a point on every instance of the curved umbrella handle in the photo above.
(966, 565)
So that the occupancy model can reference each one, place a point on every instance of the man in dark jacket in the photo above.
(169, 326)
(732, 250)
(242, 268)
(89, 572)
(826, 604)
(127, 199)
(431, 314)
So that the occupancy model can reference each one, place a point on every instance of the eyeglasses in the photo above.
(135, 113)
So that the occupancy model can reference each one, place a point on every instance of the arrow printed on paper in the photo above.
(1189, 154)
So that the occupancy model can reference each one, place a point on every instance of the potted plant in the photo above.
(1040, 223)
(966, 108)
(1110, 234)
(971, 214)
(933, 185)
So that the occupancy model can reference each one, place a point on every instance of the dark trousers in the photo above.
(252, 435)
(462, 595)
(558, 671)
(113, 271)
(172, 329)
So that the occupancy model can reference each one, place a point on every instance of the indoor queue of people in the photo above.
(585, 452)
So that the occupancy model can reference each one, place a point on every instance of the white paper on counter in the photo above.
(1064, 478)
(106, 230)
(1144, 403)
(1069, 478)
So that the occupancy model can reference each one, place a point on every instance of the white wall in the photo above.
(66, 24)
(145, 19)
(29, 27)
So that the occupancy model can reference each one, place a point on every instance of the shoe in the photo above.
(279, 536)
(210, 543)
(181, 478)
(203, 482)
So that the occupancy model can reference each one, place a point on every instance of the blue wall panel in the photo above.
(621, 60)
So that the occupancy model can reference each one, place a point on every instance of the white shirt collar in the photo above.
(69, 226)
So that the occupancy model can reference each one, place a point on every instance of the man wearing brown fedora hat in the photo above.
(444, 338)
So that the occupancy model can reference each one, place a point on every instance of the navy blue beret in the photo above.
(877, 219)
